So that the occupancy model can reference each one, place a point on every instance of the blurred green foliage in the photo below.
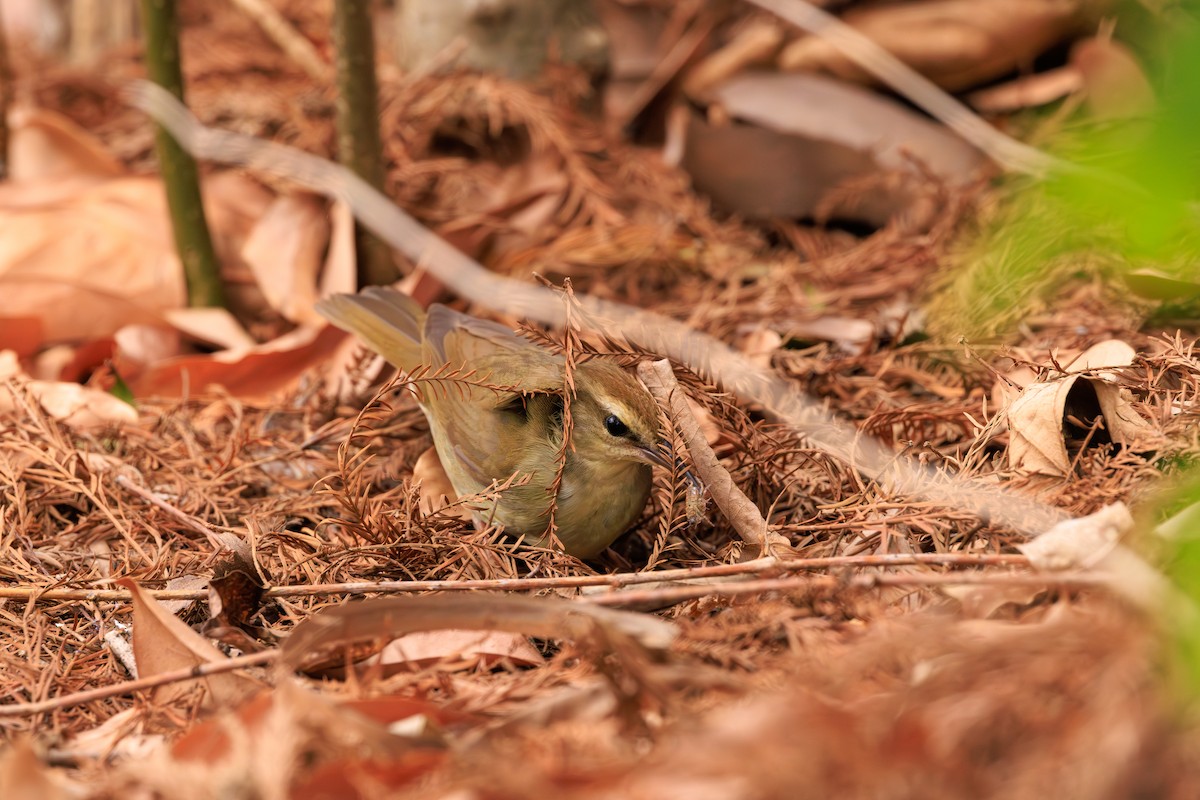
(1128, 202)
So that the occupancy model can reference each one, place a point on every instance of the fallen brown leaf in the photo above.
(162, 642)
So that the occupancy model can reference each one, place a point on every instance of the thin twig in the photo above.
(161, 679)
(278, 30)
(617, 580)
(679, 594)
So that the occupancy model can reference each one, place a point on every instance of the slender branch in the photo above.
(679, 594)
(161, 679)
(758, 566)
(277, 29)
(675, 594)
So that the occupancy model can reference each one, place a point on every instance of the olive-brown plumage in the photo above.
(483, 436)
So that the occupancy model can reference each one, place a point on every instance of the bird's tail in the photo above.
(387, 321)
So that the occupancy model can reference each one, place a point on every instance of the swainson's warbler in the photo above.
(483, 436)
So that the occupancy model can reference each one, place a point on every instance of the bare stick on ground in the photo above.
(192, 240)
(741, 513)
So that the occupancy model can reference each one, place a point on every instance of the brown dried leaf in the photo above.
(24, 776)
(385, 618)
(285, 251)
(162, 643)
(260, 371)
(46, 146)
(106, 249)
(955, 43)
(807, 135)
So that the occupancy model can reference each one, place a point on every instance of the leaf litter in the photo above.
(829, 684)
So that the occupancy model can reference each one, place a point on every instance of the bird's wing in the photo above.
(475, 427)
(492, 351)
(390, 322)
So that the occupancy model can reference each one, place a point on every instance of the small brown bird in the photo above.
(483, 436)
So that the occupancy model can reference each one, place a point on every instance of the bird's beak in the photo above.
(663, 457)
(660, 456)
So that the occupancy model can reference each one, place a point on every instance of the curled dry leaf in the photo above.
(799, 136)
(955, 43)
(162, 642)
(384, 618)
(1036, 417)
(285, 251)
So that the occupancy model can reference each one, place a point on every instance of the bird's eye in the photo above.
(613, 424)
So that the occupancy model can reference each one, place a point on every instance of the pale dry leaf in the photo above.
(1109, 353)
(1027, 91)
(1036, 416)
(753, 44)
(285, 251)
(78, 406)
(118, 736)
(106, 249)
(163, 643)
(850, 335)
(465, 648)
(955, 43)
(1036, 443)
(142, 345)
(711, 429)
(758, 344)
(339, 274)
(982, 602)
(1079, 543)
(214, 326)
(10, 365)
